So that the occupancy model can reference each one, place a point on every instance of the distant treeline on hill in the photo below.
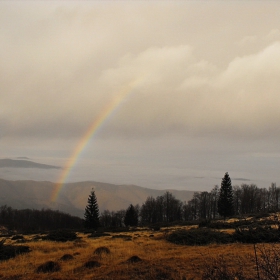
(164, 209)
(247, 199)
(37, 220)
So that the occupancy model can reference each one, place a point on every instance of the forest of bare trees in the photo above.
(161, 210)
(247, 199)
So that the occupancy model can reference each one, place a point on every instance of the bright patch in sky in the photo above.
(208, 100)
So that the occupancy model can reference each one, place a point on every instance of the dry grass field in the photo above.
(133, 255)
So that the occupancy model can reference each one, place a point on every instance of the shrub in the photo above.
(121, 236)
(98, 234)
(9, 251)
(61, 236)
(198, 236)
(118, 229)
(217, 268)
(204, 223)
(17, 237)
(67, 257)
(92, 264)
(134, 259)
(269, 262)
(102, 250)
(256, 235)
(47, 267)
(2, 242)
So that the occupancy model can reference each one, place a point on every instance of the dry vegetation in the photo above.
(133, 255)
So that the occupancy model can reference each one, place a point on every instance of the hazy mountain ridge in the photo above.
(73, 196)
(23, 163)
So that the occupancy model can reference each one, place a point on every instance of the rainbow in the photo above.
(97, 123)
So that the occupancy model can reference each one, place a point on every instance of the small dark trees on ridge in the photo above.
(92, 212)
(225, 201)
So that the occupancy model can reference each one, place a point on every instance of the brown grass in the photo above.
(158, 259)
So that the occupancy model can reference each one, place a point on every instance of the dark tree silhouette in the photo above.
(225, 201)
(131, 216)
(92, 212)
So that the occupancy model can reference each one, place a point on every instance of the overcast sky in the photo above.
(206, 99)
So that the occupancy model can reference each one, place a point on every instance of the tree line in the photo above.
(31, 220)
(220, 202)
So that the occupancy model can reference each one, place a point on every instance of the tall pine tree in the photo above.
(131, 216)
(92, 212)
(225, 201)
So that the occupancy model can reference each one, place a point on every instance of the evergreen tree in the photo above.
(92, 212)
(225, 201)
(131, 216)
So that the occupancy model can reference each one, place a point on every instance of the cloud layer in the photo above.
(205, 72)
(59, 68)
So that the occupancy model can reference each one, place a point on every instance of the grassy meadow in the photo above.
(131, 255)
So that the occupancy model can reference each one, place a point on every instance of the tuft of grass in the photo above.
(67, 257)
(92, 264)
(47, 267)
(134, 259)
(102, 251)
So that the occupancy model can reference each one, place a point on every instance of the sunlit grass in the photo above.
(159, 258)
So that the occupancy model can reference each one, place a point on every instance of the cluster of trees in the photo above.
(29, 220)
(109, 219)
(218, 203)
(165, 209)
(245, 199)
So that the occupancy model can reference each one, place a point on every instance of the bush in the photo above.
(118, 229)
(121, 236)
(217, 268)
(98, 234)
(256, 235)
(61, 236)
(134, 259)
(47, 267)
(102, 250)
(92, 264)
(9, 251)
(155, 228)
(198, 236)
(17, 237)
(67, 257)
(204, 223)
(269, 262)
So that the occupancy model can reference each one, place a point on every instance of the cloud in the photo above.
(60, 68)
(199, 98)
(241, 179)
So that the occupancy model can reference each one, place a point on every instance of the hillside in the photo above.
(22, 163)
(73, 196)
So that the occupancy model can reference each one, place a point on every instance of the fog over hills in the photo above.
(73, 196)
(23, 163)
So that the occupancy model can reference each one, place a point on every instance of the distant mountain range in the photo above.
(73, 197)
(23, 163)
